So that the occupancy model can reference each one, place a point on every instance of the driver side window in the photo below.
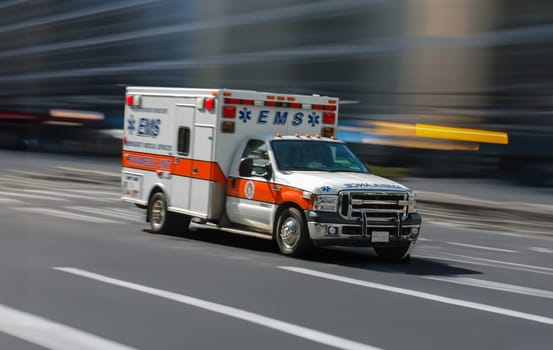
(257, 150)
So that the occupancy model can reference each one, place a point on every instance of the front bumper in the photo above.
(330, 229)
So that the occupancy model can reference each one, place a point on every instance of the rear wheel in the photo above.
(291, 233)
(163, 221)
(398, 254)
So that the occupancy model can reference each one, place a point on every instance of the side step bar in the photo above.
(212, 226)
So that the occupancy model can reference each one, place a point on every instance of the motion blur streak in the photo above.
(465, 64)
(461, 134)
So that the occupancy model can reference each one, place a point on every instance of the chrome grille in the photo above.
(377, 206)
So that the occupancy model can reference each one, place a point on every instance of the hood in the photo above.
(320, 182)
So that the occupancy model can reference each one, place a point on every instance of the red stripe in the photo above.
(198, 169)
(264, 192)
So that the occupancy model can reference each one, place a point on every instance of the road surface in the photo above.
(78, 270)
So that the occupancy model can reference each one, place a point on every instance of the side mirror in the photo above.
(268, 172)
(245, 168)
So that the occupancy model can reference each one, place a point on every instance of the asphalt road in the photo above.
(79, 271)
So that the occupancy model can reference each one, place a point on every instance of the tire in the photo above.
(291, 233)
(163, 221)
(398, 254)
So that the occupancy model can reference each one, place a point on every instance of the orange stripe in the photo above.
(197, 169)
(263, 192)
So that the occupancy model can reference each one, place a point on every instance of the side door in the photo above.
(201, 186)
(182, 162)
(250, 201)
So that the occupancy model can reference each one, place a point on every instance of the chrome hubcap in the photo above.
(289, 232)
(158, 214)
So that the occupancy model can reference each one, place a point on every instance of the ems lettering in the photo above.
(280, 118)
(148, 127)
(262, 119)
(298, 119)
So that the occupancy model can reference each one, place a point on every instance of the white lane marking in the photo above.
(67, 215)
(285, 327)
(423, 295)
(479, 263)
(92, 196)
(482, 247)
(505, 287)
(503, 262)
(27, 195)
(9, 200)
(49, 334)
(422, 239)
(107, 212)
(541, 250)
(135, 212)
(94, 191)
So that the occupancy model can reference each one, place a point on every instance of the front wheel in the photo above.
(399, 254)
(291, 233)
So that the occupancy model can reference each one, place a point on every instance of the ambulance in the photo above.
(260, 164)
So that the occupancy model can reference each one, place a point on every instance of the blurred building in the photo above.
(480, 64)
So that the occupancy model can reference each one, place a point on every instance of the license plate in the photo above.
(380, 236)
(132, 185)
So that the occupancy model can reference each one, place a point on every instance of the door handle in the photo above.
(195, 171)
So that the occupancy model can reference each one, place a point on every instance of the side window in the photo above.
(183, 142)
(257, 150)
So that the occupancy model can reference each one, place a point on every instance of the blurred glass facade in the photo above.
(465, 63)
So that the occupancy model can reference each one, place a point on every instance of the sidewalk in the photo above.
(484, 194)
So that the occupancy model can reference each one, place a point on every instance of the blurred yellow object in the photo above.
(74, 114)
(461, 134)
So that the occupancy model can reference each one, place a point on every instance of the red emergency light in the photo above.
(229, 112)
(329, 118)
(209, 103)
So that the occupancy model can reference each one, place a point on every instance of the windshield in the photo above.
(313, 155)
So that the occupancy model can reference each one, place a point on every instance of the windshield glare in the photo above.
(313, 155)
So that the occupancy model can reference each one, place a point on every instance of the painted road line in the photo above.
(64, 194)
(467, 261)
(504, 287)
(67, 215)
(423, 295)
(9, 200)
(264, 321)
(541, 250)
(134, 212)
(49, 334)
(533, 267)
(107, 212)
(29, 195)
(482, 247)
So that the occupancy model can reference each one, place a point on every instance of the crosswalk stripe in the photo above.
(107, 212)
(50, 334)
(67, 215)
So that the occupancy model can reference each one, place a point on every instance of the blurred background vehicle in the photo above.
(458, 88)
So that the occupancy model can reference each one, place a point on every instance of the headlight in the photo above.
(412, 208)
(325, 202)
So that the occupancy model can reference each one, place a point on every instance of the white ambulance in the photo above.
(259, 164)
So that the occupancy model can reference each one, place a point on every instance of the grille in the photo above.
(376, 206)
